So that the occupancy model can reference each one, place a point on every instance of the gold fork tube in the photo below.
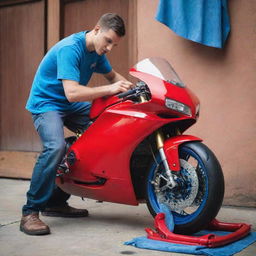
(159, 139)
(142, 98)
(160, 145)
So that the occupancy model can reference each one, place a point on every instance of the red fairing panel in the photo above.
(110, 142)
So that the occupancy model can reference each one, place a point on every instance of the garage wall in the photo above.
(225, 81)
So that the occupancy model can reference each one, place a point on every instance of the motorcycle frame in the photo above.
(103, 153)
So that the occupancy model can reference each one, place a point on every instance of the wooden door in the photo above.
(22, 45)
(83, 15)
(27, 29)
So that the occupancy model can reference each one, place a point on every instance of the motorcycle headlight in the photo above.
(178, 106)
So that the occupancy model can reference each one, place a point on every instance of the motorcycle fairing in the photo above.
(160, 90)
(100, 104)
(110, 142)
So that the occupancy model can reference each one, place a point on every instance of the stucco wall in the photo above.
(225, 81)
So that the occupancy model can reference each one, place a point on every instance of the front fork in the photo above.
(169, 152)
(160, 146)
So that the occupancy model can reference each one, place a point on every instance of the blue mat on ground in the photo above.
(228, 250)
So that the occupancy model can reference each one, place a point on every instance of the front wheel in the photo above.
(198, 196)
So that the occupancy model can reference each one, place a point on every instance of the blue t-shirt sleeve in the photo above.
(103, 66)
(68, 64)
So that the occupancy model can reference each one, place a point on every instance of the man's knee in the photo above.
(56, 147)
(59, 146)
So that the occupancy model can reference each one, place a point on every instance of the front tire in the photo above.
(200, 191)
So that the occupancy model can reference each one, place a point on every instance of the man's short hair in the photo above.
(112, 21)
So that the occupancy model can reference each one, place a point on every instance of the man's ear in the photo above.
(96, 29)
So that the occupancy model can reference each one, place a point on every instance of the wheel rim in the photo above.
(187, 200)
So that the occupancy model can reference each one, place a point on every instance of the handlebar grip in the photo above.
(125, 94)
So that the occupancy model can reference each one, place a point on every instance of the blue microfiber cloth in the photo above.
(169, 221)
(202, 21)
(227, 250)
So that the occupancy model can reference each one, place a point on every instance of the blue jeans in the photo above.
(50, 127)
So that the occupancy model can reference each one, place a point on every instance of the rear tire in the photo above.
(59, 197)
(199, 195)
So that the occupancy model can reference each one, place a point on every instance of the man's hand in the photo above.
(120, 86)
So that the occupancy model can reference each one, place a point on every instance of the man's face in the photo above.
(105, 40)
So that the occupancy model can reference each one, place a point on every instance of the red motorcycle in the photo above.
(134, 150)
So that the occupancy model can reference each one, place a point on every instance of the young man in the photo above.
(60, 98)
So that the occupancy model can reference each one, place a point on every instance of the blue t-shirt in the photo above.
(68, 59)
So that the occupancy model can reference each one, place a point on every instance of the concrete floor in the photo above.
(102, 233)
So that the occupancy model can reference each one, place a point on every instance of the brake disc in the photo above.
(180, 197)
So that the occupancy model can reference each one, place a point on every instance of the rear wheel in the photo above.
(198, 196)
(59, 196)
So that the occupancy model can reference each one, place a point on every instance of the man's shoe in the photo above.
(31, 225)
(64, 211)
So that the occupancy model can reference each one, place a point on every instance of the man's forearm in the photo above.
(77, 93)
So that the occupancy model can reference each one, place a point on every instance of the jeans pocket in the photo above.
(37, 118)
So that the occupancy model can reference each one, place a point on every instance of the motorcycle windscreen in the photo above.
(160, 68)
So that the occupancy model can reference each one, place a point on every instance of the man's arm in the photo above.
(77, 93)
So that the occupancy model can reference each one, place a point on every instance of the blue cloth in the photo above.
(169, 221)
(49, 126)
(228, 250)
(68, 59)
(202, 21)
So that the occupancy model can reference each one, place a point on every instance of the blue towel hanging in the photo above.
(202, 21)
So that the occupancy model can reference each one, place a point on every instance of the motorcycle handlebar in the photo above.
(127, 93)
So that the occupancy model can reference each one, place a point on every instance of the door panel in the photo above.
(22, 30)
(22, 46)
(83, 15)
